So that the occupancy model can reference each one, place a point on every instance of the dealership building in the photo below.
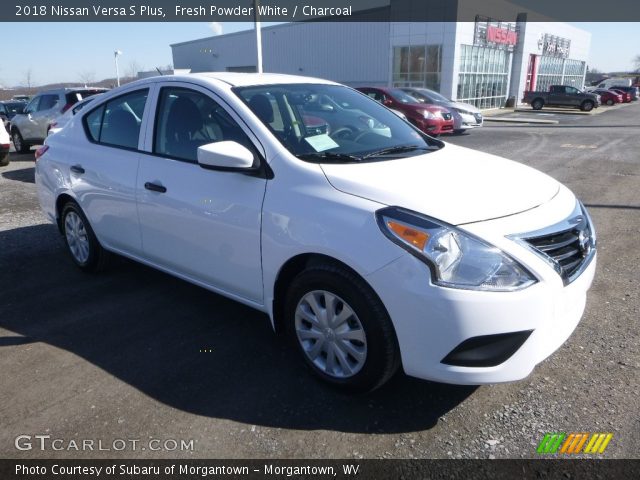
(485, 62)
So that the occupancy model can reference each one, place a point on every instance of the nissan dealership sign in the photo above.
(554, 46)
(494, 33)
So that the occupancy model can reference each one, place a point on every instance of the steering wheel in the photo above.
(344, 132)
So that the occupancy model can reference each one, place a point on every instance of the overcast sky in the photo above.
(67, 52)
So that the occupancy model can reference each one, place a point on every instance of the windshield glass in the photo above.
(333, 123)
(14, 107)
(402, 96)
(436, 96)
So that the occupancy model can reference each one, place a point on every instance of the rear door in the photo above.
(200, 223)
(49, 106)
(105, 166)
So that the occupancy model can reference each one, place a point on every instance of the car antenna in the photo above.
(160, 72)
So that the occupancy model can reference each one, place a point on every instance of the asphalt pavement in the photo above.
(134, 354)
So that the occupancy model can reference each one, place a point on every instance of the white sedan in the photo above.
(371, 244)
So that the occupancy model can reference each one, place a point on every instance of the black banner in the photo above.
(316, 10)
(317, 469)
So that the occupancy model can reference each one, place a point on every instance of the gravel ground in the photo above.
(119, 355)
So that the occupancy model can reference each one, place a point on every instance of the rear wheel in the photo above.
(86, 252)
(537, 104)
(18, 142)
(586, 106)
(341, 328)
(610, 102)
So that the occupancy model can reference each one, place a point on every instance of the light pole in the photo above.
(116, 54)
(258, 35)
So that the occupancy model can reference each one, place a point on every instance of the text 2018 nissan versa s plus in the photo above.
(370, 243)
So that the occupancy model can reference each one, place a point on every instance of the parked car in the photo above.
(31, 126)
(562, 96)
(632, 91)
(374, 249)
(465, 115)
(69, 114)
(5, 145)
(9, 109)
(626, 96)
(614, 82)
(608, 97)
(431, 119)
(21, 98)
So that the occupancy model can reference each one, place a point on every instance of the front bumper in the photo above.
(431, 321)
(466, 121)
(434, 127)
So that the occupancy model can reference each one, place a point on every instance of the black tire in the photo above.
(97, 257)
(18, 142)
(587, 106)
(537, 104)
(382, 353)
(609, 102)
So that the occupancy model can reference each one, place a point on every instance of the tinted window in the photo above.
(118, 122)
(47, 102)
(187, 119)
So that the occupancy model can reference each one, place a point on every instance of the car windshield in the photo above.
(15, 107)
(434, 95)
(333, 123)
(402, 97)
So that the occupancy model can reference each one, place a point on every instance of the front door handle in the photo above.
(77, 169)
(154, 187)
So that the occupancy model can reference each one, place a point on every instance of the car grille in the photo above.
(569, 246)
(446, 116)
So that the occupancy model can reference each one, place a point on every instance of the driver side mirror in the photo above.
(225, 155)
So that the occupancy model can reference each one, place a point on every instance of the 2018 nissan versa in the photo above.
(372, 244)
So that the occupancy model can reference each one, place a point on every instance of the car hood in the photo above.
(454, 184)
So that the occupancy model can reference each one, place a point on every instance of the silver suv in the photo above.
(31, 127)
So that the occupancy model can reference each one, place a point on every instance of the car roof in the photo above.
(236, 79)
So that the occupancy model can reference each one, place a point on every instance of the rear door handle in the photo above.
(77, 169)
(154, 187)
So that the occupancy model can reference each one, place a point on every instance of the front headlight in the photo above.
(429, 115)
(457, 259)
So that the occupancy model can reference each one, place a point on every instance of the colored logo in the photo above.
(572, 443)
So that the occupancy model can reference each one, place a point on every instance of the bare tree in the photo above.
(28, 79)
(133, 68)
(594, 70)
(636, 63)
(87, 77)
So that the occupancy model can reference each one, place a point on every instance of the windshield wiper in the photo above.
(326, 157)
(398, 149)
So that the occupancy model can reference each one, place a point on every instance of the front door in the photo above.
(199, 223)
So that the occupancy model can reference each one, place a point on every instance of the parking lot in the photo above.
(134, 353)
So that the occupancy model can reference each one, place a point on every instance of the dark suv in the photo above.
(31, 126)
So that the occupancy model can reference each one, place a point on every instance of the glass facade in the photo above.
(417, 66)
(483, 78)
(559, 71)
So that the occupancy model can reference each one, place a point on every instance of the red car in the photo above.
(431, 119)
(626, 97)
(609, 97)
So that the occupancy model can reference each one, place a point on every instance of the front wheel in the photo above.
(82, 244)
(537, 104)
(586, 106)
(341, 328)
(609, 102)
(18, 142)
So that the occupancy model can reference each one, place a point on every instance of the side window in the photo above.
(32, 106)
(47, 102)
(187, 119)
(118, 122)
(572, 90)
